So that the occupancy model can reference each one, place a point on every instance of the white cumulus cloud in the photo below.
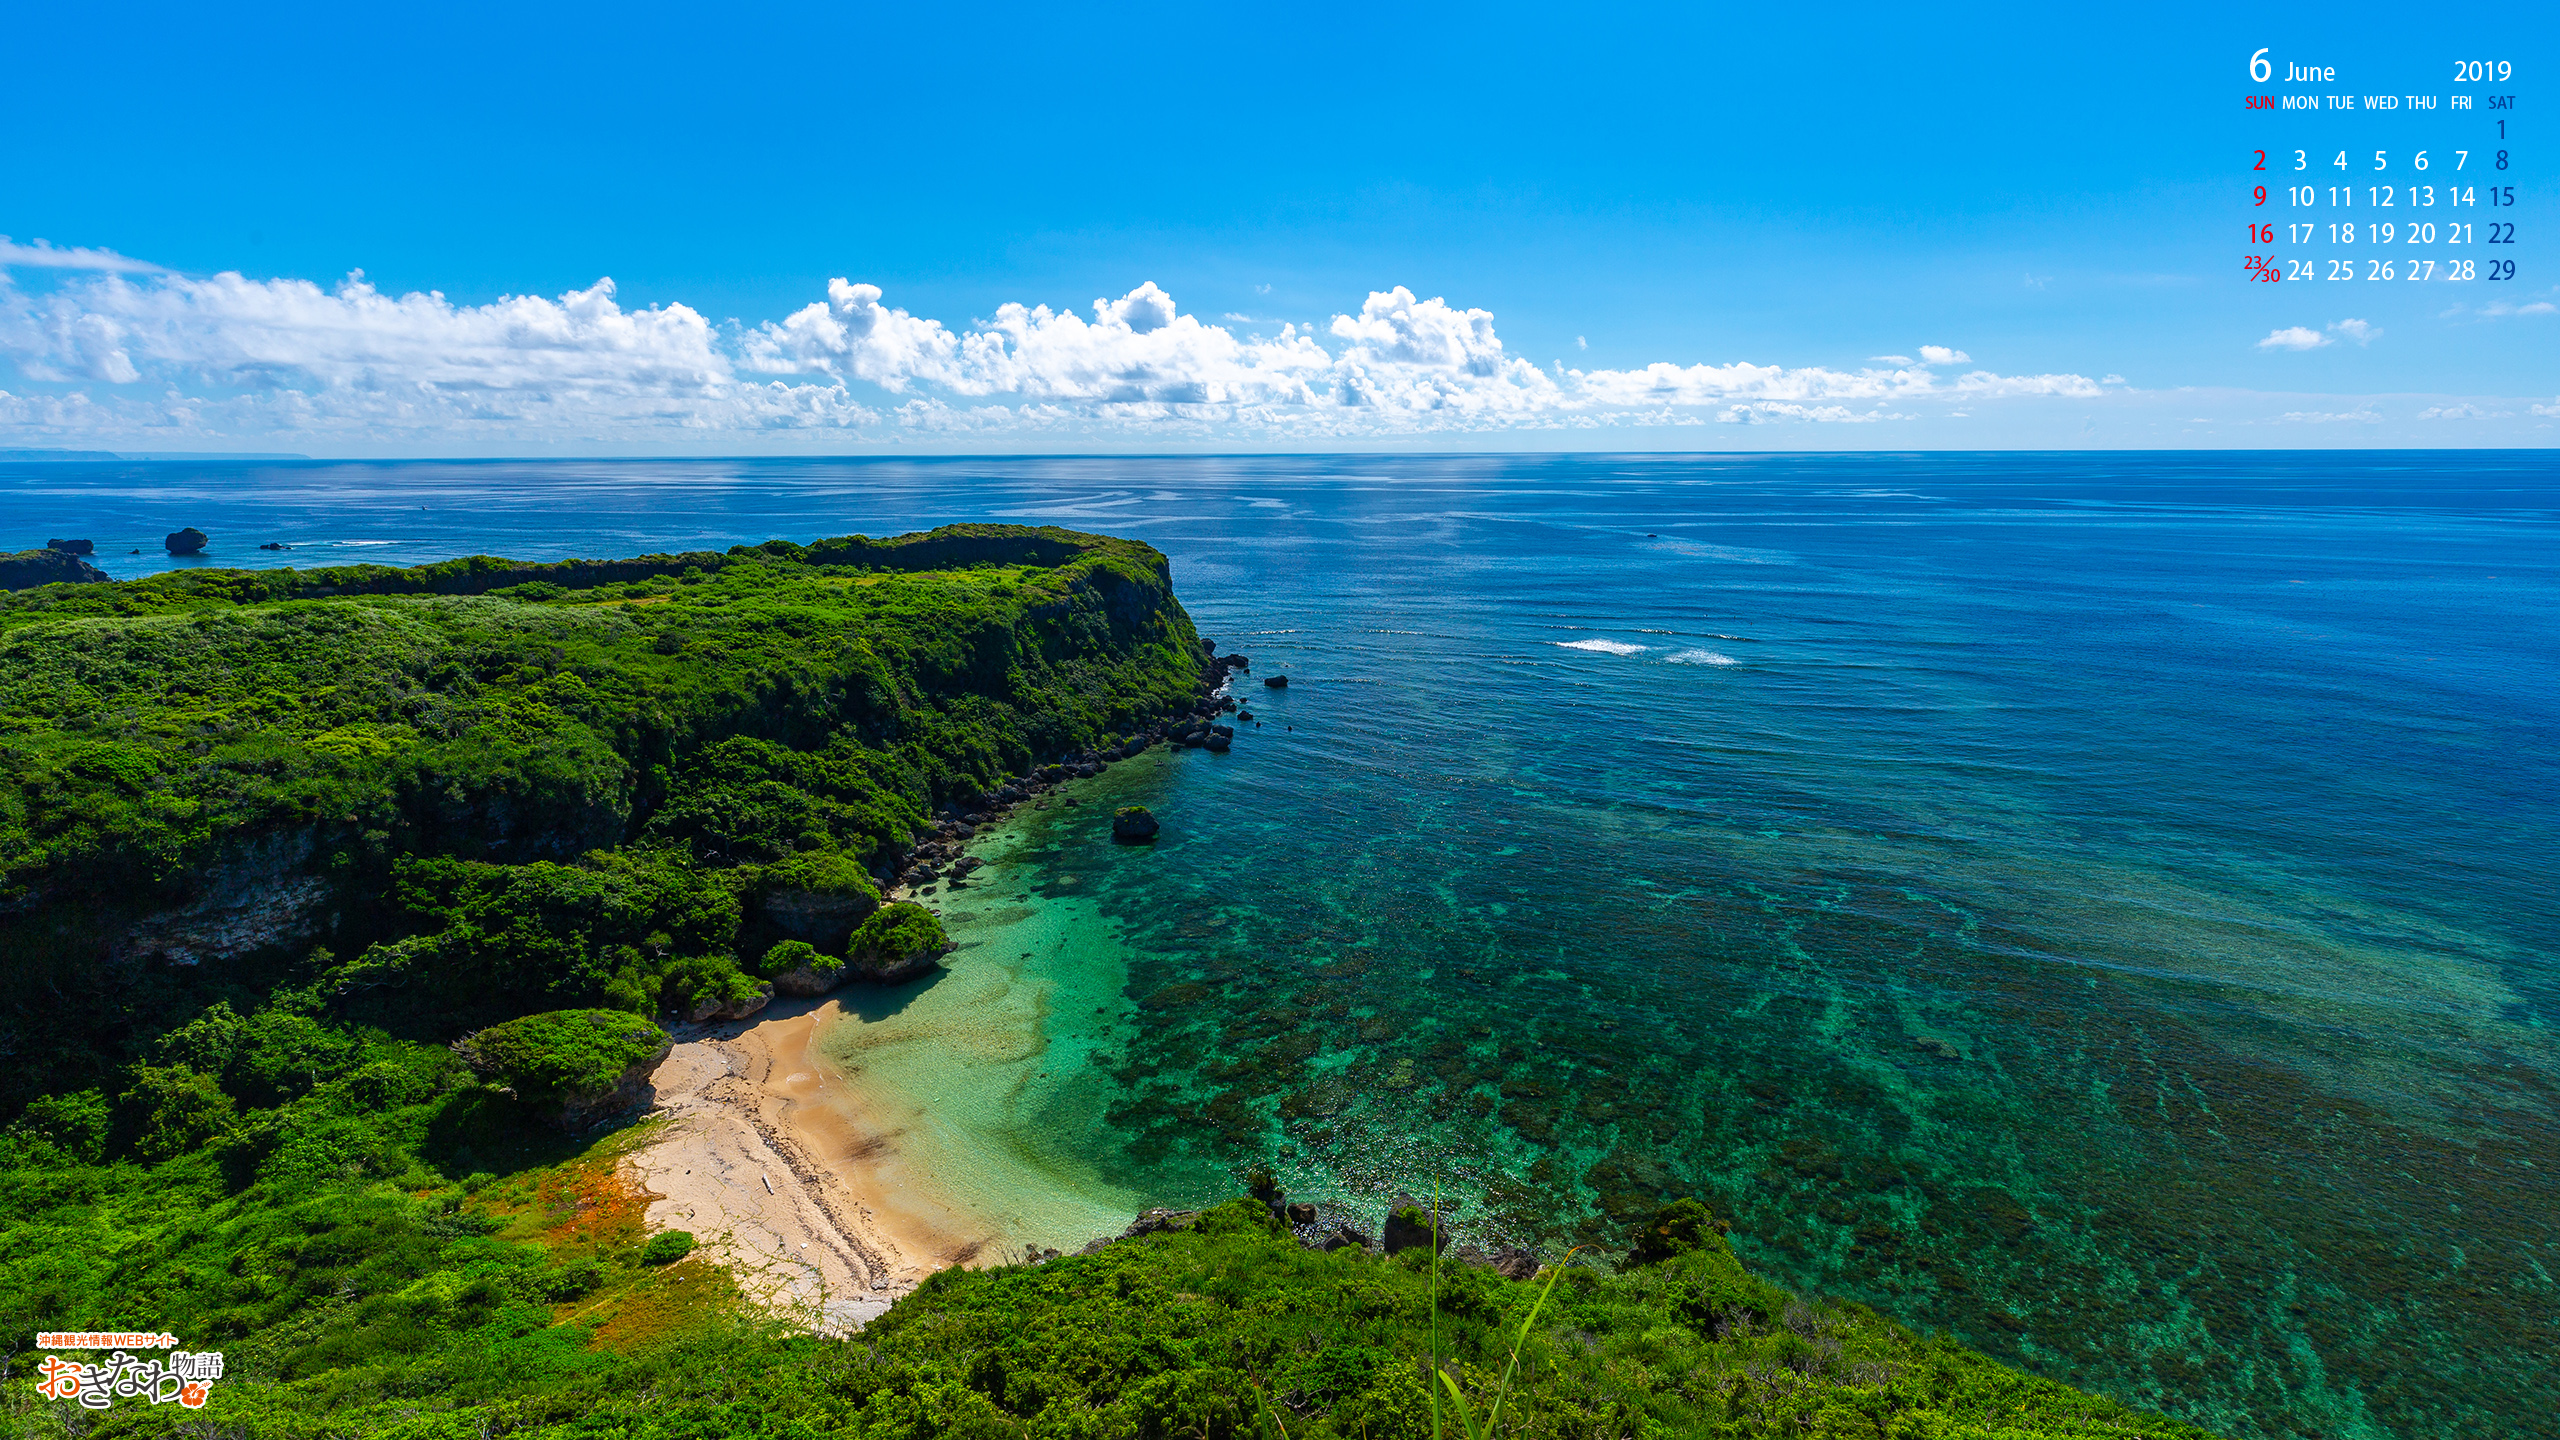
(2303, 337)
(2294, 337)
(123, 347)
(41, 256)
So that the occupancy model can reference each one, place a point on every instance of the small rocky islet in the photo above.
(66, 561)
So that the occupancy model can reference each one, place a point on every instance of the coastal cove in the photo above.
(2097, 907)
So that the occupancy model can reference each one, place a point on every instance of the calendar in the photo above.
(2400, 172)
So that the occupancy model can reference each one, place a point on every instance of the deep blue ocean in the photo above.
(2098, 905)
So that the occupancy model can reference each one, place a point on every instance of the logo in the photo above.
(186, 1377)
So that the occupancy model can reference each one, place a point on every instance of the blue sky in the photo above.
(1777, 210)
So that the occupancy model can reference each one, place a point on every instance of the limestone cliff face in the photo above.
(263, 897)
(821, 917)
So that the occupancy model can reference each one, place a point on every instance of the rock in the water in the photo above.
(1302, 1212)
(1217, 743)
(30, 568)
(1409, 1225)
(1133, 823)
(1276, 682)
(1342, 1237)
(190, 541)
(275, 545)
(72, 547)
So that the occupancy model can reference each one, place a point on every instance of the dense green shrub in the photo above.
(898, 935)
(509, 936)
(706, 978)
(77, 1125)
(171, 1110)
(749, 799)
(820, 873)
(790, 955)
(667, 1247)
(562, 1054)
(1680, 1227)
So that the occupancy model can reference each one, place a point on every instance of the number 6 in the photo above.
(2259, 70)
(2422, 159)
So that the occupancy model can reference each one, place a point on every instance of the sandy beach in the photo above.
(781, 1172)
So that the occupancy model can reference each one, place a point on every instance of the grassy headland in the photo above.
(272, 842)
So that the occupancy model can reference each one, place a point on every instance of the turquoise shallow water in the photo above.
(2098, 905)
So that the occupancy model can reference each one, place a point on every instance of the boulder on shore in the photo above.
(1150, 1222)
(818, 897)
(1132, 824)
(798, 968)
(708, 1007)
(1409, 1226)
(573, 1066)
(898, 943)
(30, 568)
(190, 541)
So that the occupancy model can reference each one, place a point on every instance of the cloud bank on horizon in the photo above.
(125, 348)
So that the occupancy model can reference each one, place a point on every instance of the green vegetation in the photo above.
(272, 843)
(790, 955)
(488, 788)
(536, 1306)
(898, 938)
(562, 1055)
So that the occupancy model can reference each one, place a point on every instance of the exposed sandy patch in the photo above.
(783, 1173)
